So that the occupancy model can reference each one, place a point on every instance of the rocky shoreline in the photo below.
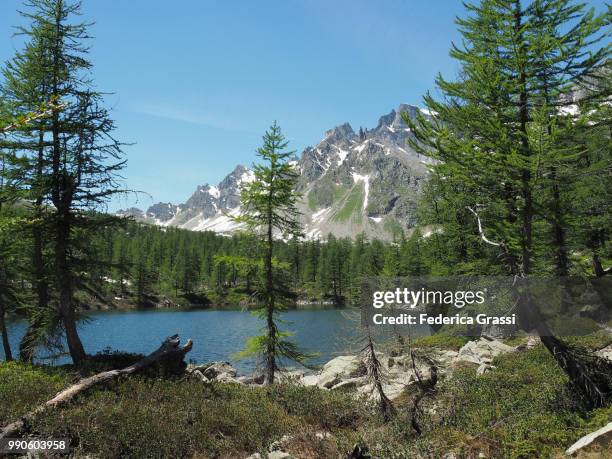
(349, 372)
(401, 372)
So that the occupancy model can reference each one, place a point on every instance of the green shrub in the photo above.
(23, 387)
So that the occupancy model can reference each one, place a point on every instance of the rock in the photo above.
(227, 378)
(198, 374)
(310, 380)
(323, 435)
(251, 380)
(340, 368)
(280, 455)
(529, 343)
(605, 353)
(214, 369)
(484, 368)
(289, 376)
(601, 437)
(351, 383)
(482, 351)
(255, 456)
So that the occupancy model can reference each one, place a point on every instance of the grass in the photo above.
(523, 408)
(392, 226)
(352, 205)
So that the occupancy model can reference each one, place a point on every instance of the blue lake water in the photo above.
(217, 334)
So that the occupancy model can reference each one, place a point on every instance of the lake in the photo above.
(217, 334)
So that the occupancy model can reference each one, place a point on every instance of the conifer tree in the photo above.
(76, 156)
(269, 208)
(497, 130)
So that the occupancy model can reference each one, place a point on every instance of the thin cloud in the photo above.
(186, 115)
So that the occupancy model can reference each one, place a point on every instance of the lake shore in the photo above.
(506, 411)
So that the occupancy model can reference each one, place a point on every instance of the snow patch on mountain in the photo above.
(366, 180)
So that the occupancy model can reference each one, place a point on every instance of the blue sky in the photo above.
(196, 82)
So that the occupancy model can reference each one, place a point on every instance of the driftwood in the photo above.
(169, 351)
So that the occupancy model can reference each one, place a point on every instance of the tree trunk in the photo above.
(64, 284)
(558, 232)
(270, 357)
(593, 390)
(8, 355)
(373, 365)
(169, 350)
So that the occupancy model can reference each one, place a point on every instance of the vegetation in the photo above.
(520, 188)
(269, 208)
(63, 165)
(509, 134)
(522, 409)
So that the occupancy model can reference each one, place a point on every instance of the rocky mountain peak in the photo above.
(351, 184)
(340, 133)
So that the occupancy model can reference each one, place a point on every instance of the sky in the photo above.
(195, 83)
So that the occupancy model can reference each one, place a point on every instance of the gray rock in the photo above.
(340, 368)
(351, 383)
(484, 368)
(482, 351)
(215, 369)
(310, 380)
(605, 353)
(280, 455)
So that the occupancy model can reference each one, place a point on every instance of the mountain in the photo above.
(351, 183)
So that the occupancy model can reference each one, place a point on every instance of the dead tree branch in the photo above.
(169, 350)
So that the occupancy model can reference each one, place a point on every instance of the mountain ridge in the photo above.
(365, 182)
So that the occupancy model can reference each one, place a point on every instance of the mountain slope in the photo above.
(351, 184)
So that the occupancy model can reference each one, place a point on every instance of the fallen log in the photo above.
(169, 351)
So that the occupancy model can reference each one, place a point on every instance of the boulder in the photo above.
(484, 368)
(227, 378)
(214, 369)
(340, 368)
(198, 374)
(289, 376)
(251, 379)
(482, 351)
(601, 438)
(529, 343)
(310, 380)
(605, 353)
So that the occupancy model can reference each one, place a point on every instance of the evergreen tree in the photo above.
(269, 207)
(496, 131)
(75, 170)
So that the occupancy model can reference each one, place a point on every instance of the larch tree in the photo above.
(269, 208)
(76, 158)
(497, 132)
